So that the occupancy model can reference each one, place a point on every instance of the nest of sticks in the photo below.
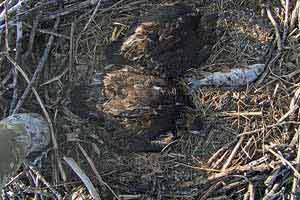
(249, 143)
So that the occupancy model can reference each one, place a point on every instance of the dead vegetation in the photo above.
(248, 143)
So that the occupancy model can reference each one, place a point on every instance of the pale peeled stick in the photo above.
(236, 77)
(20, 136)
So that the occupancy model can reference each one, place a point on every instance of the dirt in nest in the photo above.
(165, 175)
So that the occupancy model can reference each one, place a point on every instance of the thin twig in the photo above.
(295, 102)
(211, 190)
(275, 25)
(286, 22)
(275, 175)
(45, 31)
(6, 78)
(267, 127)
(46, 183)
(16, 178)
(56, 78)
(240, 169)
(283, 160)
(296, 179)
(12, 9)
(233, 153)
(99, 178)
(15, 92)
(85, 179)
(216, 164)
(250, 193)
(18, 60)
(217, 153)
(93, 15)
(71, 50)
(6, 27)
(32, 35)
(38, 70)
(294, 16)
(269, 65)
(237, 114)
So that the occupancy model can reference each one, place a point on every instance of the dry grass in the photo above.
(249, 140)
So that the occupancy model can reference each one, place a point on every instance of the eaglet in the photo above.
(167, 41)
(140, 103)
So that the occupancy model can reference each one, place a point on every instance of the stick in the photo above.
(275, 25)
(85, 179)
(276, 175)
(237, 114)
(18, 60)
(93, 15)
(6, 27)
(12, 9)
(294, 16)
(240, 169)
(39, 68)
(71, 50)
(46, 183)
(283, 160)
(45, 31)
(6, 78)
(296, 179)
(249, 195)
(269, 126)
(233, 153)
(211, 190)
(269, 65)
(286, 22)
(32, 35)
(99, 178)
(216, 154)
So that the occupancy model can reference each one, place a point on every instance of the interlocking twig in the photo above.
(233, 153)
(32, 35)
(38, 70)
(46, 183)
(85, 179)
(286, 22)
(18, 59)
(295, 15)
(99, 178)
(54, 141)
(93, 15)
(296, 179)
(276, 27)
(12, 9)
(283, 160)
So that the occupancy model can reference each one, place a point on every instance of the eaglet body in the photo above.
(168, 40)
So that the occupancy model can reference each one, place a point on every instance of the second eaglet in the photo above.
(166, 41)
